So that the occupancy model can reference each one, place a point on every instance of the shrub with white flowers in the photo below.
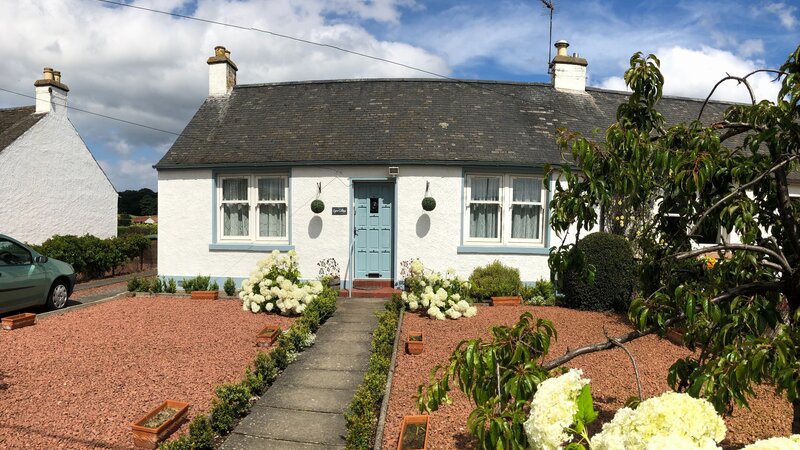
(668, 418)
(554, 408)
(784, 443)
(275, 286)
(438, 296)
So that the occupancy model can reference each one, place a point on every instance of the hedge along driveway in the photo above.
(79, 380)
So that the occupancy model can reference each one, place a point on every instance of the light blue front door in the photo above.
(374, 216)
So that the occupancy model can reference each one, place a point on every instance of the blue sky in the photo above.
(150, 68)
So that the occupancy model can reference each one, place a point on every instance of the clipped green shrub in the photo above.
(362, 413)
(170, 286)
(494, 280)
(614, 274)
(201, 433)
(134, 284)
(229, 287)
(198, 283)
(232, 402)
(90, 256)
(214, 286)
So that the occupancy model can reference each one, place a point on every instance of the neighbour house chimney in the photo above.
(51, 93)
(221, 72)
(568, 72)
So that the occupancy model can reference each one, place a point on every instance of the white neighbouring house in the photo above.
(49, 181)
(238, 182)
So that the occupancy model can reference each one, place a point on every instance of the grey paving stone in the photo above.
(300, 377)
(237, 441)
(332, 334)
(343, 348)
(298, 426)
(332, 361)
(343, 327)
(321, 399)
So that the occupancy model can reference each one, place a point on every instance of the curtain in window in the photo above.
(483, 220)
(485, 189)
(525, 218)
(272, 220)
(270, 189)
(236, 219)
(235, 216)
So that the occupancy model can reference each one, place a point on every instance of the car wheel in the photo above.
(57, 298)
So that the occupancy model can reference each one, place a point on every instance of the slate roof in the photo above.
(14, 122)
(398, 121)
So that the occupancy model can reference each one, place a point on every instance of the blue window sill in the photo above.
(242, 247)
(500, 250)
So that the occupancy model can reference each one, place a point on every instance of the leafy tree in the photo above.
(741, 311)
(148, 206)
(130, 202)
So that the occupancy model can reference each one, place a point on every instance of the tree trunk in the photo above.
(796, 421)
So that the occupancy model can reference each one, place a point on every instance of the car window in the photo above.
(12, 254)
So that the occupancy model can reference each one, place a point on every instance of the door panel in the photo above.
(22, 282)
(374, 217)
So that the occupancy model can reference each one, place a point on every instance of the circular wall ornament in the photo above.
(317, 206)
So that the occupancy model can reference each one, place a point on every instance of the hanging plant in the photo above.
(428, 203)
(317, 206)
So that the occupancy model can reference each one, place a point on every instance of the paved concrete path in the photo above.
(304, 409)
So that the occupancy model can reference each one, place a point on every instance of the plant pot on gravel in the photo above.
(158, 424)
(18, 321)
(268, 336)
(415, 344)
(413, 433)
(205, 295)
(513, 300)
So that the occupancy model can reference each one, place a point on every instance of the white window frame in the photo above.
(253, 203)
(540, 204)
(258, 203)
(505, 201)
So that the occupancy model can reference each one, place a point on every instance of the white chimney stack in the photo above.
(221, 72)
(568, 72)
(51, 93)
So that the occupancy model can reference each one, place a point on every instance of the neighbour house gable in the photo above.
(14, 122)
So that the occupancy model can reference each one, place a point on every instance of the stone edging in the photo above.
(175, 295)
(385, 402)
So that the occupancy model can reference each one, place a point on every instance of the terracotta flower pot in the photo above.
(415, 343)
(507, 301)
(18, 321)
(149, 437)
(413, 433)
(206, 295)
(267, 336)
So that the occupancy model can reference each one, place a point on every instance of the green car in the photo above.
(28, 278)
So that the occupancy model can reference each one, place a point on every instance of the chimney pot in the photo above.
(562, 47)
(57, 75)
(219, 51)
(228, 54)
(48, 73)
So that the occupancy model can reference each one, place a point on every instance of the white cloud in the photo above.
(784, 13)
(751, 47)
(151, 68)
(693, 73)
(130, 173)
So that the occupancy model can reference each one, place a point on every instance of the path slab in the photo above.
(319, 378)
(245, 442)
(291, 425)
(306, 398)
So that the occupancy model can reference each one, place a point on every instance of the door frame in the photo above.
(351, 216)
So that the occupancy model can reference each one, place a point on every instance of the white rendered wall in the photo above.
(50, 184)
(185, 223)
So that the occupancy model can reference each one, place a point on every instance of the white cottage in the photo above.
(49, 181)
(239, 181)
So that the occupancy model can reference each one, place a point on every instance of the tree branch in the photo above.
(633, 362)
(746, 247)
(741, 80)
(739, 190)
(785, 210)
(745, 289)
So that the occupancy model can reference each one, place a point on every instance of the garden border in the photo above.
(388, 390)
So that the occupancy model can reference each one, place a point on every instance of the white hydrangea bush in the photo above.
(660, 421)
(553, 410)
(783, 443)
(274, 286)
(440, 297)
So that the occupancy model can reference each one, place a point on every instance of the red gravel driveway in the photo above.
(610, 373)
(78, 380)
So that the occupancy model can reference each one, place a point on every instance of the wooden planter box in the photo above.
(415, 346)
(267, 336)
(146, 437)
(18, 321)
(206, 295)
(507, 301)
(410, 425)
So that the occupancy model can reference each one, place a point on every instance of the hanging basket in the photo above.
(428, 204)
(317, 206)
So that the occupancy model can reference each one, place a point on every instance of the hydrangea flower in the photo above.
(553, 410)
(438, 296)
(275, 284)
(657, 418)
(784, 443)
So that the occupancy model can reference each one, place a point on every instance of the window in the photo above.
(12, 254)
(264, 196)
(488, 197)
